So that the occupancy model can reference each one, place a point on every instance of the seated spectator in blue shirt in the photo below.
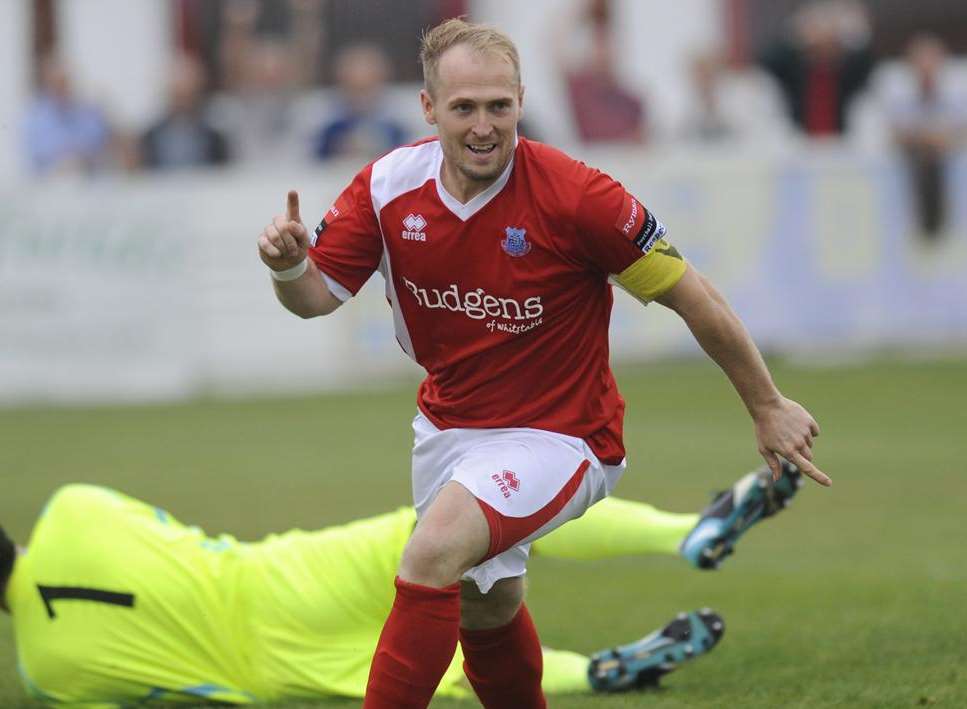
(184, 137)
(62, 134)
(361, 126)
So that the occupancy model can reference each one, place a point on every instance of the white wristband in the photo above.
(290, 274)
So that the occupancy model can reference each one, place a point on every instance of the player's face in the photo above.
(476, 104)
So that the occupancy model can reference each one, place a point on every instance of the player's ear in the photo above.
(520, 102)
(426, 101)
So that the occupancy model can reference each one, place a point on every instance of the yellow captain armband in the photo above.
(653, 274)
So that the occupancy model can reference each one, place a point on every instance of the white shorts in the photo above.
(527, 481)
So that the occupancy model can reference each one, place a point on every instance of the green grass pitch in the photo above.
(853, 597)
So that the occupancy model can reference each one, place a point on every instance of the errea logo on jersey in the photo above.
(413, 225)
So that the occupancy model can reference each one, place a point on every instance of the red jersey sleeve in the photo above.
(346, 246)
(614, 227)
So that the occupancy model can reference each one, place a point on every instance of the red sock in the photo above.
(415, 647)
(504, 665)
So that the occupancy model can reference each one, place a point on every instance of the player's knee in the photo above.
(494, 609)
(446, 542)
(433, 560)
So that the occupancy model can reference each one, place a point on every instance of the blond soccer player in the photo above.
(498, 255)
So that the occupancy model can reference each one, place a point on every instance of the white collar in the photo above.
(466, 210)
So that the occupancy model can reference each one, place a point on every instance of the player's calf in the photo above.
(497, 607)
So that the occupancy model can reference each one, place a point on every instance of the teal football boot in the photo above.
(641, 664)
(754, 497)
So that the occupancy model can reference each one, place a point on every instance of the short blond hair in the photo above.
(450, 33)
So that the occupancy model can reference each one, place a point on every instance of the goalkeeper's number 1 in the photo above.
(76, 593)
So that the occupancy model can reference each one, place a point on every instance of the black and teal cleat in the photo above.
(641, 664)
(754, 497)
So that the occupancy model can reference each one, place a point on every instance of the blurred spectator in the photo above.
(726, 105)
(62, 133)
(300, 32)
(822, 64)
(264, 69)
(237, 22)
(184, 137)
(603, 110)
(261, 116)
(708, 119)
(362, 125)
(928, 120)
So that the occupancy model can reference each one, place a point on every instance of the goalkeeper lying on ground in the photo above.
(114, 601)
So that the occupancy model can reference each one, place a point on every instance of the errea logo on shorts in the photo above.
(507, 481)
(413, 226)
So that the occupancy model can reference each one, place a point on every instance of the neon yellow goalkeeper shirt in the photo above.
(116, 602)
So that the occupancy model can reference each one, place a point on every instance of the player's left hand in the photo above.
(786, 429)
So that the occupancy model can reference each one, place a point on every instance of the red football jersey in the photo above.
(504, 300)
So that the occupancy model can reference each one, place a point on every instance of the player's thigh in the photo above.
(451, 536)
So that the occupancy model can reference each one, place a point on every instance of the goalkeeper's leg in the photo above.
(617, 527)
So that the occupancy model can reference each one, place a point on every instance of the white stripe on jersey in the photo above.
(399, 322)
(335, 287)
(405, 170)
(402, 171)
(395, 174)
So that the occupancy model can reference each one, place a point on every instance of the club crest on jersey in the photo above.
(516, 243)
(413, 225)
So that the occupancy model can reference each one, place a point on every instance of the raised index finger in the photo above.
(292, 207)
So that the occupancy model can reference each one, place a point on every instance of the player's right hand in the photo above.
(285, 242)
